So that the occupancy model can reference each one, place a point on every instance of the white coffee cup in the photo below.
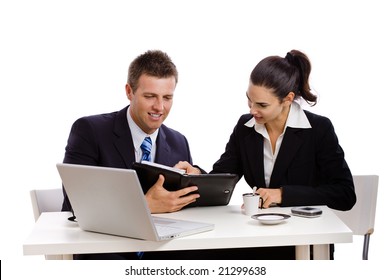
(251, 203)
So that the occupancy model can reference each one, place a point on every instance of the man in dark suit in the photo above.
(115, 139)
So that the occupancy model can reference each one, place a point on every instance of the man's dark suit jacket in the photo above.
(310, 166)
(105, 140)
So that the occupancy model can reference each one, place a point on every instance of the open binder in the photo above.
(214, 189)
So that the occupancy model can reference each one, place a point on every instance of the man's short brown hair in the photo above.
(154, 63)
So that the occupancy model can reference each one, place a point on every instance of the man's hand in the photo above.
(162, 201)
(187, 167)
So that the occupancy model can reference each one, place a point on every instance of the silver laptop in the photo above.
(111, 201)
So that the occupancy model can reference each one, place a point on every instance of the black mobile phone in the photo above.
(306, 211)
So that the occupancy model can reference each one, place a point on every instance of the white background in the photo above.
(60, 60)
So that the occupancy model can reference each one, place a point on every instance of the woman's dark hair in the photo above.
(284, 75)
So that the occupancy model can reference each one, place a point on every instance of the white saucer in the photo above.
(270, 218)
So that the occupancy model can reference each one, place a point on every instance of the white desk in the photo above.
(53, 234)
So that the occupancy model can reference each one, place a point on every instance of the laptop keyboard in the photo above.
(158, 221)
(164, 227)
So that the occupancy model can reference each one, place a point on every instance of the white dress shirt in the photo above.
(296, 118)
(138, 137)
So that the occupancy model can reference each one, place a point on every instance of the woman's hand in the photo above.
(187, 167)
(270, 196)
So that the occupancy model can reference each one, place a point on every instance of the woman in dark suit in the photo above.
(291, 155)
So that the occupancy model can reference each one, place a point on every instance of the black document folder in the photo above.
(214, 189)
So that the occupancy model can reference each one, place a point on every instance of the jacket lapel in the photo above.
(163, 150)
(254, 147)
(124, 141)
(291, 143)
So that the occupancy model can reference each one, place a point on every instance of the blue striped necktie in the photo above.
(146, 148)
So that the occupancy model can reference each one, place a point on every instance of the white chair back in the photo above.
(361, 218)
(46, 200)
